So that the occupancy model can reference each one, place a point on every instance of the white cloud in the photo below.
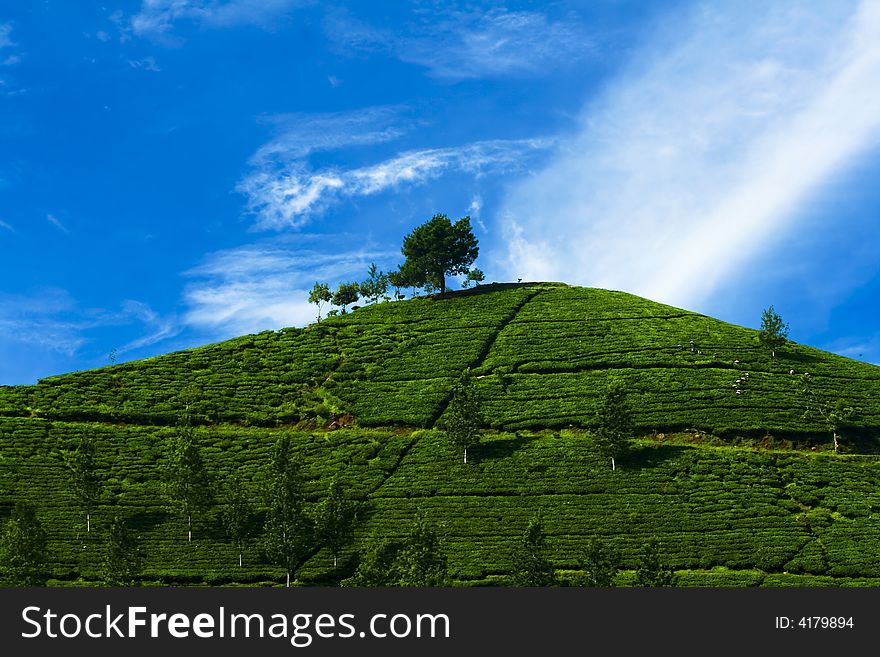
(157, 17)
(52, 219)
(288, 196)
(701, 152)
(146, 64)
(266, 285)
(5, 35)
(7, 226)
(471, 44)
(158, 327)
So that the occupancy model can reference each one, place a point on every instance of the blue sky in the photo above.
(178, 172)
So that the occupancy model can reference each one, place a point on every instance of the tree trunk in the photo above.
(442, 279)
(239, 559)
(88, 522)
(612, 464)
(836, 443)
(335, 561)
(465, 455)
(288, 579)
(189, 527)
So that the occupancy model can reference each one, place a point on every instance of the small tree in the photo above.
(438, 248)
(187, 482)
(238, 514)
(833, 414)
(474, 276)
(85, 484)
(320, 295)
(345, 294)
(376, 284)
(651, 572)
(530, 564)
(598, 565)
(774, 332)
(465, 416)
(378, 565)
(288, 530)
(421, 561)
(122, 559)
(614, 422)
(23, 548)
(334, 520)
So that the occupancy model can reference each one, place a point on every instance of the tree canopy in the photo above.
(774, 332)
(439, 248)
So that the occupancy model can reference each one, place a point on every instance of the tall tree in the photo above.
(123, 558)
(833, 414)
(774, 332)
(288, 530)
(319, 295)
(651, 572)
(439, 248)
(23, 548)
(614, 422)
(238, 514)
(464, 416)
(334, 520)
(598, 565)
(345, 294)
(475, 276)
(187, 482)
(530, 564)
(421, 561)
(85, 484)
(376, 284)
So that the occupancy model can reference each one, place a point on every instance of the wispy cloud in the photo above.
(146, 64)
(158, 327)
(157, 17)
(266, 285)
(699, 155)
(6, 35)
(473, 44)
(288, 196)
(52, 219)
(7, 226)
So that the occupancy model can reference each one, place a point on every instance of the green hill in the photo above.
(739, 486)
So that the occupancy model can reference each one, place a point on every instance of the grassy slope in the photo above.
(543, 352)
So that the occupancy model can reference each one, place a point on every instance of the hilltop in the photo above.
(362, 395)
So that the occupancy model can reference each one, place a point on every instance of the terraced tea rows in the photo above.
(360, 395)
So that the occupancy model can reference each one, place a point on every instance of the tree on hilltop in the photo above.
(438, 248)
(319, 295)
(774, 332)
(345, 294)
(376, 285)
(833, 414)
(475, 276)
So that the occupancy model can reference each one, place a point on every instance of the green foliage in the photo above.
(376, 284)
(437, 248)
(651, 572)
(464, 417)
(421, 561)
(238, 513)
(417, 561)
(23, 548)
(774, 332)
(319, 295)
(346, 293)
(475, 276)
(187, 481)
(122, 557)
(85, 484)
(334, 520)
(614, 428)
(530, 564)
(834, 413)
(288, 532)
(598, 565)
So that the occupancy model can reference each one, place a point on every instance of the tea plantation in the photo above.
(730, 471)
